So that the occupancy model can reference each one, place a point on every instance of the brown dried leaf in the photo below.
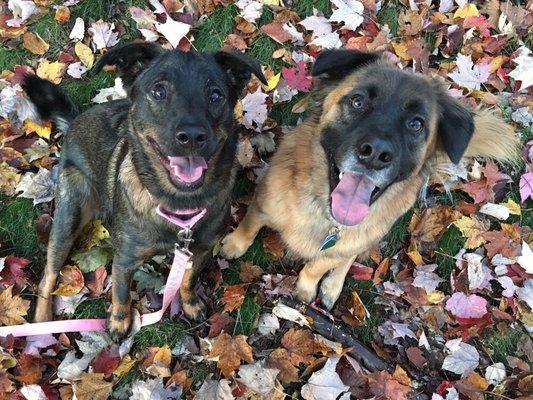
(233, 297)
(92, 387)
(250, 272)
(34, 43)
(12, 308)
(230, 351)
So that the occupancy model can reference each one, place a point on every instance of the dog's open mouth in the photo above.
(351, 195)
(185, 170)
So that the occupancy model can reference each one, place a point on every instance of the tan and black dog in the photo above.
(358, 163)
(171, 144)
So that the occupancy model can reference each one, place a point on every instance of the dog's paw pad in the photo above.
(233, 247)
(119, 327)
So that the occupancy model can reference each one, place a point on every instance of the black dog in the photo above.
(171, 144)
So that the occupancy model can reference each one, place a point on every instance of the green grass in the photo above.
(246, 316)
(448, 246)
(282, 112)
(262, 49)
(367, 292)
(163, 333)
(213, 32)
(389, 15)
(305, 7)
(501, 344)
(198, 373)
(53, 33)
(17, 227)
(257, 254)
(397, 236)
(92, 308)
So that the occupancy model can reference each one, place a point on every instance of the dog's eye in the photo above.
(415, 124)
(357, 101)
(215, 96)
(159, 92)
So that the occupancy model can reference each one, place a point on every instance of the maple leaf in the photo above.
(326, 384)
(250, 10)
(230, 351)
(72, 281)
(300, 343)
(426, 278)
(218, 323)
(29, 369)
(233, 297)
(431, 224)
(38, 186)
(257, 378)
(35, 343)
(273, 245)
(348, 11)
(280, 359)
(249, 272)
(526, 186)
(384, 386)
(173, 30)
(469, 75)
(6, 385)
(466, 306)
(472, 229)
(504, 242)
(254, 110)
(107, 361)
(92, 387)
(361, 272)
(524, 70)
(103, 35)
(12, 308)
(214, 390)
(462, 360)
(479, 22)
(296, 78)
(112, 93)
(13, 272)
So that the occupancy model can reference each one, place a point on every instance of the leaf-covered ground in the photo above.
(447, 297)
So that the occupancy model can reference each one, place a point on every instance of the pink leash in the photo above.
(181, 262)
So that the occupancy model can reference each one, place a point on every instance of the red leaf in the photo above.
(479, 22)
(296, 78)
(95, 281)
(106, 361)
(361, 272)
(218, 323)
(275, 31)
(13, 272)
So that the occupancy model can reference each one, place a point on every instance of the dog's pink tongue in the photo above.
(350, 200)
(187, 169)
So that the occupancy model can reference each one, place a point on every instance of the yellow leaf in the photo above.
(238, 112)
(85, 54)
(12, 308)
(513, 206)
(472, 230)
(270, 2)
(72, 281)
(43, 131)
(51, 71)
(278, 53)
(416, 257)
(273, 82)
(92, 387)
(93, 234)
(468, 10)
(436, 297)
(9, 178)
(400, 48)
(124, 367)
(34, 43)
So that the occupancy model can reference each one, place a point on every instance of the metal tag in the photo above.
(330, 240)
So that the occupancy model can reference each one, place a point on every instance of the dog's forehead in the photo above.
(190, 67)
(391, 83)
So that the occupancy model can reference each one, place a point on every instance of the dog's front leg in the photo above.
(193, 306)
(331, 288)
(128, 258)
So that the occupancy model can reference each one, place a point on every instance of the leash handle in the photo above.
(182, 262)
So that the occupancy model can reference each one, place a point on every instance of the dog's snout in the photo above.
(375, 153)
(194, 139)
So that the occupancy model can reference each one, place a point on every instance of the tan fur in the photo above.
(293, 198)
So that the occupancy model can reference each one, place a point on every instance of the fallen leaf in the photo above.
(85, 54)
(254, 110)
(526, 186)
(34, 43)
(471, 229)
(173, 30)
(12, 308)
(280, 359)
(62, 14)
(233, 297)
(495, 373)
(526, 258)
(285, 312)
(214, 390)
(103, 35)
(78, 31)
(463, 360)
(92, 387)
(257, 378)
(466, 306)
(29, 369)
(268, 324)
(348, 11)
(326, 384)
(230, 351)
(296, 77)
(523, 70)
(469, 75)
(72, 281)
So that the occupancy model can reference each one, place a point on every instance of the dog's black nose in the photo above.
(375, 153)
(194, 139)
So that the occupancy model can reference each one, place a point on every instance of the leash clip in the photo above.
(184, 240)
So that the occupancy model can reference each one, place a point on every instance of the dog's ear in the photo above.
(336, 64)
(455, 127)
(130, 59)
(239, 68)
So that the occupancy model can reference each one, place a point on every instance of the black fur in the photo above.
(336, 64)
(50, 101)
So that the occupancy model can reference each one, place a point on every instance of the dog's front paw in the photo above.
(119, 325)
(306, 290)
(233, 246)
(329, 294)
(195, 309)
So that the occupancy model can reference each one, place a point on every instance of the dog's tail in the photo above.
(50, 101)
(493, 138)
